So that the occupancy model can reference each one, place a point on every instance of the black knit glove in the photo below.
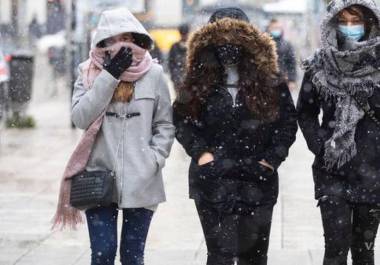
(121, 62)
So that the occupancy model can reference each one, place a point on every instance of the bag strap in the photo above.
(367, 109)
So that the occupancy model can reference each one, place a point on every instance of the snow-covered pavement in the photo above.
(31, 164)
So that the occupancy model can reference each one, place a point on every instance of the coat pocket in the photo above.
(213, 169)
(209, 183)
(142, 164)
(264, 172)
(150, 163)
(153, 160)
(256, 173)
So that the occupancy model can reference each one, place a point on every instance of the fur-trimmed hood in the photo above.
(258, 69)
(231, 31)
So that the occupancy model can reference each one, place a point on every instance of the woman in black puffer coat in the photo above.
(236, 119)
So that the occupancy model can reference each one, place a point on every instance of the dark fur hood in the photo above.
(258, 70)
(259, 46)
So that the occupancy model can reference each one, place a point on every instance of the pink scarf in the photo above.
(66, 215)
(142, 61)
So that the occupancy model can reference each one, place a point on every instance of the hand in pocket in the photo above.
(255, 171)
(266, 165)
(206, 158)
(213, 169)
(263, 173)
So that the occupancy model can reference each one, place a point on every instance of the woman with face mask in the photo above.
(236, 119)
(122, 101)
(343, 80)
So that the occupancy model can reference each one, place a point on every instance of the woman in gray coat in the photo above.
(122, 82)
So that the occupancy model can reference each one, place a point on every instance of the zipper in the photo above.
(124, 122)
(122, 165)
(126, 117)
(235, 103)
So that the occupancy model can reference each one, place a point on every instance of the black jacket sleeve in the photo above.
(174, 65)
(188, 133)
(285, 130)
(172, 59)
(291, 62)
(308, 108)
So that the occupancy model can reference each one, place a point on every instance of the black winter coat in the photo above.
(287, 59)
(238, 141)
(177, 63)
(359, 179)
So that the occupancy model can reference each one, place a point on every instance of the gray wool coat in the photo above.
(136, 148)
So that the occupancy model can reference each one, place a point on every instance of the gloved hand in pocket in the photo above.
(214, 169)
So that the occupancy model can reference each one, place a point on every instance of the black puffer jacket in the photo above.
(359, 179)
(233, 135)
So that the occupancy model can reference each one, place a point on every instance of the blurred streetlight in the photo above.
(71, 24)
(14, 17)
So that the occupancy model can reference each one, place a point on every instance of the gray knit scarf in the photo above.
(338, 74)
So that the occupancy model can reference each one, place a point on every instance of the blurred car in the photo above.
(165, 38)
(4, 70)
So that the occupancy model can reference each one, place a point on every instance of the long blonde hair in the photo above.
(123, 92)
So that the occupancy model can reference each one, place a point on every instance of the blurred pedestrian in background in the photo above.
(35, 31)
(121, 97)
(286, 56)
(177, 57)
(236, 119)
(157, 53)
(57, 59)
(342, 80)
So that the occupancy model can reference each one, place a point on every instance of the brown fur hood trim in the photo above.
(232, 31)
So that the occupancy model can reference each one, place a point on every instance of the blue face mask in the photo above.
(276, 34)
(354, 33)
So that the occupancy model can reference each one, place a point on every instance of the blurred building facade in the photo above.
(16, 17)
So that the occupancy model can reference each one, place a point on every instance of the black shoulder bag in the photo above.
(91, 189)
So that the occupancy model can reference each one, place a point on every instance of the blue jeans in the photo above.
(102, 226)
